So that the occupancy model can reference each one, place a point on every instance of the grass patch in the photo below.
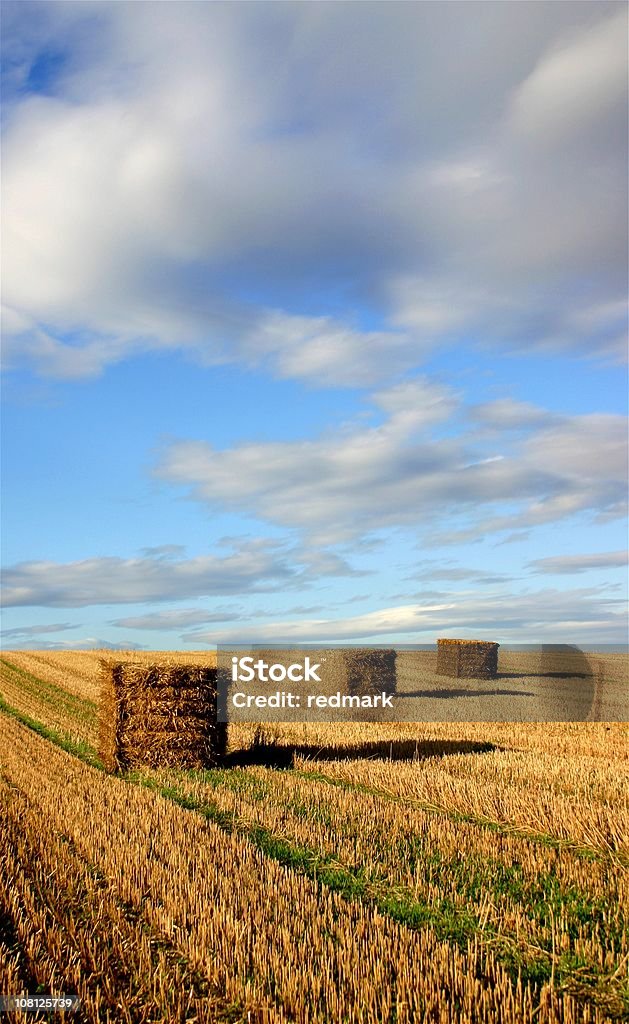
(77, 707)
(78, 748)
(449, 921)
(502, 828)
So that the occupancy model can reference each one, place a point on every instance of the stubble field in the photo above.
(359, 872)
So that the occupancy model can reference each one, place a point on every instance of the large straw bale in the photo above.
(467, 659)
(159, 714)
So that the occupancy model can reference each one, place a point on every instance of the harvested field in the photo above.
(443, 872)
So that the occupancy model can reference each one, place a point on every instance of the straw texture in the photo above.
(159, 715)
(370, 671)
(467, 659)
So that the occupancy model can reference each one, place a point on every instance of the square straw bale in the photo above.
(159, 715)
(467, 659)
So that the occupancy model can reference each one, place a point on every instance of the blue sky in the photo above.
(314, 323)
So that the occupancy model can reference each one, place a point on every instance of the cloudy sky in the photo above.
(314, 322)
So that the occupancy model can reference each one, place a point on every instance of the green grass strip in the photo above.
(450, 923)
(256, 788)
(49, 693)
(78, 748)
(541, 897)
(532, 836)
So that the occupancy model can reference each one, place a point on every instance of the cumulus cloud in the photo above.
(252, 567)
(180, 618)
(569, 564)
(404, 472)
(23, 632)
(183, 156)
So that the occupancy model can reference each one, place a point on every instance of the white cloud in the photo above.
(533, 217)
(253, 566)
(178, 618)
(568, 564)
(508, 414)
(325, 350)
(589, 453)
(24, 632)
(402, 473)
(576, 83)
(416, 404)
(456, 574)
(580, 465)
(574, 616)
(90, 643)
(186, 155)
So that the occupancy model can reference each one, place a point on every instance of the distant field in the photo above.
(359, 872)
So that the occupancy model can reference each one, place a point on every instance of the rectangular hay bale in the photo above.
(467, 659)
(159, 715)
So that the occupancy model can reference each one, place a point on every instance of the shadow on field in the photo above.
(273, 755)
(542, 675)
(445, 693)
(555, 661)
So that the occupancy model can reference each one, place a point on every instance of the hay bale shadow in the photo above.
(545, 675)
(446, 694)
(270, 754)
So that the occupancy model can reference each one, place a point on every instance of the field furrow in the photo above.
(573, 800)
(542, 911)
(208, 892)
(48, 703)
(454, 873)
